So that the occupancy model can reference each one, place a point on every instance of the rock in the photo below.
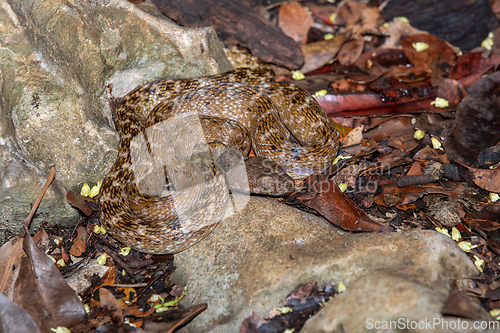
(477, 122)
(57, 57)
(254, 259)
(383, 300)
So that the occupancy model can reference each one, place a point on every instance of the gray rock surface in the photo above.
(56, 59)
(384, 300)
(254, 259)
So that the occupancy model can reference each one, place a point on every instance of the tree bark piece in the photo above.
(236, 21)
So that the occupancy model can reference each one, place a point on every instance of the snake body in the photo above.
(239, 109)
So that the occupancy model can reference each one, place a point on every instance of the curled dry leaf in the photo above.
(10, 260)
(334, 206)
(78, 246)
(80, 202)
(42, 291)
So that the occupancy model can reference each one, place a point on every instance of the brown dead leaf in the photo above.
(399, 132)
(10, 260)
(322, 11)
(460, 305)
(392, 195)
(349, 13)
(395, 30)
(452, 91)
(487, 179)
(42, 291)
(14, 319)
(138, 311)
(107, 279)
(80, 202)
(416, 169)
(334, 206)
(485, 225)
(431, 154)
(319, 53)
(78, 246)
(110, 304)
(295, 21)
(423, 60)
(388, 102)
(470, 67)
(351, 51)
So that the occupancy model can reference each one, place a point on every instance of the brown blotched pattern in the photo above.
(243, 105)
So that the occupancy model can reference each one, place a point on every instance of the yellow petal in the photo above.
(419, 134)
(440, 103)
(298, 75)
(420, 46)
(455, 234)
(321, 93)
(125, 251)
(101, 260)
(85, 190)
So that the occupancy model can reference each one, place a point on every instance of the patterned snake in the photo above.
(237, 109)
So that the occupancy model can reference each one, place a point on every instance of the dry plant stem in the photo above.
(50, 178)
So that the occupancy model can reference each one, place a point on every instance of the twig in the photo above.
(50, 178)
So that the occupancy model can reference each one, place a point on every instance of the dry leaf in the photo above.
(78, 246)
(42, 291)
(295, 21)
(14, 319)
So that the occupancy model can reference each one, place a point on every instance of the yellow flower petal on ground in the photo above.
(85, 191)
(466, 246)
(125, 251)
(487, 43)
(443, 231)
(95, 190)
(101, 260)
(479, 263)
(102, 230)
(321, 93)
(420, 46)
(440, 103)
(495, 313)
(284, 310)
(328, 36)
(298, 75)
(436, 144)
(455, 234)
(419, 134)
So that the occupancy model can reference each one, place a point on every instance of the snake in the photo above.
(156, 200)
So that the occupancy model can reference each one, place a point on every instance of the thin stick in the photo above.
(50, 178)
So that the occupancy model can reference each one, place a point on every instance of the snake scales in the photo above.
(243, 107)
